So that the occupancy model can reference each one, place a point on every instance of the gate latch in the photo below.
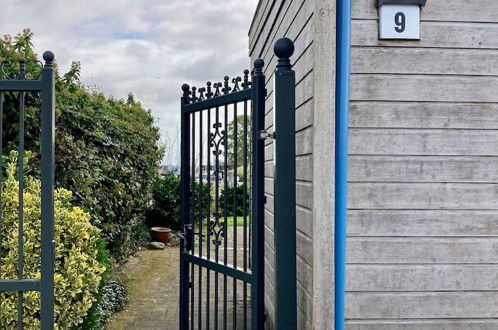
(187, 236)
(263, 135)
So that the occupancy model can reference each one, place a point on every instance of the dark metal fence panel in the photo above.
(45, 84)
(221, 271)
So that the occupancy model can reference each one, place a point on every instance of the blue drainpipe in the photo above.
(343, 46)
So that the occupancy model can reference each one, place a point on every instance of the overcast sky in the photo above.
(147, 47)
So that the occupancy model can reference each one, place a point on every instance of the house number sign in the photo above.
(400, 19)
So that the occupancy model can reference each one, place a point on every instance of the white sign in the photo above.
(399, 22)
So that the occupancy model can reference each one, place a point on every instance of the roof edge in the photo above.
(401, 2)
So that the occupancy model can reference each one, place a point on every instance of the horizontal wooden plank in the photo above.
(386, 87)
(304, 168)
(418, 250)
(422, 223)
(304, 247)
(423, 142)
(422, 196)
(421, 305)
(424, 61)
(304, 220)
(423, 169)
(433, 35)
(424, 115)
(304, 141)
(453, 324)
(364, 278)
(304, 194)
(439, 10)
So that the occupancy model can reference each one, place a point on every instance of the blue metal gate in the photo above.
(222, 172)
(45, 85)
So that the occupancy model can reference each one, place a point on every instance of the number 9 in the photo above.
(400, 21)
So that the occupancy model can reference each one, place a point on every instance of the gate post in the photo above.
(184, 208)
(47, 192)
(258, 196)
(285, 188)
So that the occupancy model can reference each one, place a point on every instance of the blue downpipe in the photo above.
(343, 47)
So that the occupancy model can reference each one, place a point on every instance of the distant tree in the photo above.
(243, 138)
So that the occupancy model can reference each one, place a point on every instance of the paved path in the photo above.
(152, 283)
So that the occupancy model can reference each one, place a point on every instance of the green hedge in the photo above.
(107, 150)
(165, 210)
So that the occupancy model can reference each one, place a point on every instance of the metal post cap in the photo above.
(48, 56)
(284, 48)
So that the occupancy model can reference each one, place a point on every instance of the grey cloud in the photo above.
(147, 47)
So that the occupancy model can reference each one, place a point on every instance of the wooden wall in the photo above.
(423, 173)
(423, 196)
(294, 19)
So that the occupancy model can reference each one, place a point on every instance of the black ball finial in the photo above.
(258, 64)
(22, 60)
(48, 56)
(284, 48)
(185, 87)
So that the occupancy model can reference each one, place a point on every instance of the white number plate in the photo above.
(399, 22)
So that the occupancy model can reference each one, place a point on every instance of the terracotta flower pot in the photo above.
(160, 234)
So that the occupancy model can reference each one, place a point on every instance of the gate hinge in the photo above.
(265, 200)
(265, 93)
(264, 134)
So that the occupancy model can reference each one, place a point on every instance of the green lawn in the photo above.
(240, 221)
(230, 220)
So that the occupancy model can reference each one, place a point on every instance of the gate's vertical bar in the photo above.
(47, 192)
(285, 188)
(235, 216)
(225, 209)
(20, 303)
(199, 307)
(184, 206)
(244, 294)
(208, 242)
(192, 217)
(341, 155)
(258, 196)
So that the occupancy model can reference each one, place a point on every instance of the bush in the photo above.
(112, 299)
(107, 150)
(230, 192)
(165, 210)
(77, 271)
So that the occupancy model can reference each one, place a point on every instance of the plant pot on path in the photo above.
(161, 234)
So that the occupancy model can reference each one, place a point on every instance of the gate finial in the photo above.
(186, 93)
(226, 89)
(258, 66)
(48, 57)
(209, 93)
(284, 48)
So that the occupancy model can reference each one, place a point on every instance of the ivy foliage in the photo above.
(77, 270)
(107, 150)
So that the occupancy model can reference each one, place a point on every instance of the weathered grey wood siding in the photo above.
(423, 196)
(423, 173)
(294, 19)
